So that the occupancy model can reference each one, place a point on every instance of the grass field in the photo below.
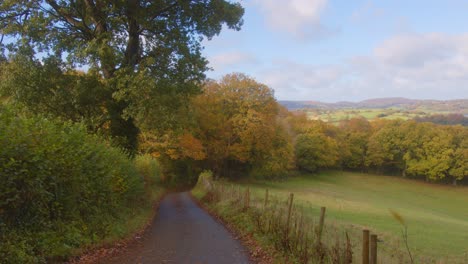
(436, 216)
(336, 115)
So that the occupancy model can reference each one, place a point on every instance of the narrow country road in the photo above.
(183, 233)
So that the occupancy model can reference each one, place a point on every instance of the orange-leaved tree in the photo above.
(238, 125)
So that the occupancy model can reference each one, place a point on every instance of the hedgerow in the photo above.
(61, 188)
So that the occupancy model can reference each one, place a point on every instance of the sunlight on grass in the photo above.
(436, 215)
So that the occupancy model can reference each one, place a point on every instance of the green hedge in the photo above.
(61, 188)
(149, 168)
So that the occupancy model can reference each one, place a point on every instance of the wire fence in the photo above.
(303, 233)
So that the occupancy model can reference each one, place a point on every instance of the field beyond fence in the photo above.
(304, 234)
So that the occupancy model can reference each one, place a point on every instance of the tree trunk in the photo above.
(132, 53)
(454, 182)
(124, 131)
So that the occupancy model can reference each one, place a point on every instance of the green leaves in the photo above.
(143, 58)
(423, 150)
(52, 89)
(55, 175)
(315, 150)
(162, 36)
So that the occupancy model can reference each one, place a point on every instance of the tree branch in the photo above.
(14, 15)
(164, 10)
(97, 16)
(68, 17)
(159, 13)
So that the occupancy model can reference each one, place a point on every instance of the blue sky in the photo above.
(335, 50)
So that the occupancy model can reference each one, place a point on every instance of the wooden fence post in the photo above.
(365, 246)
(321, 223)
(373, 249)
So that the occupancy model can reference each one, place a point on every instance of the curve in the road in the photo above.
(183, 233)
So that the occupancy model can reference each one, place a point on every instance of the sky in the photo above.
(340, 50)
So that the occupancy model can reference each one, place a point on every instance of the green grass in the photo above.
(436, 216)
(337, 115)
(138, 217)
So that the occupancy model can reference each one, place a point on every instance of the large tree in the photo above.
(387, 146)
(315, 150)
(238, 126)
(140, 48)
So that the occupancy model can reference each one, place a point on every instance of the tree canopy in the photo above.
(147, 54)
(111, 35)
(237, 123)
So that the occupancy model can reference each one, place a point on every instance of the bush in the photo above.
(205, 180)
(148, 167)
(61, 188)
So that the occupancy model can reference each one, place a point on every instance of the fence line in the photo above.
(300, 235)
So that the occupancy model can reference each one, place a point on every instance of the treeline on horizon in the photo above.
(236, 128)
(281, 140)
(421, 150)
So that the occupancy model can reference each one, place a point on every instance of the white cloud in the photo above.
(229, 59)
(433, 61)
(432, 65)
(300, 81)
(298, 17)
(416, 50)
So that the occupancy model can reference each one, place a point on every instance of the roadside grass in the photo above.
(138, 216)
(238, 219)
(436, 215)
(135, 218)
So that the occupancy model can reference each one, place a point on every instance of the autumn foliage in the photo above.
(238, 124)
(236, 128)
(407, 148)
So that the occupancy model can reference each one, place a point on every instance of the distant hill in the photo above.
(453, 106)
(387, 102)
